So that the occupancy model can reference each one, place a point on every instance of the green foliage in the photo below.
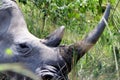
(9, 52)
(18, 69)
(79, 17)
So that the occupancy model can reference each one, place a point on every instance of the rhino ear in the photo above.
(9, 15)
(54, 39)
(5, 18)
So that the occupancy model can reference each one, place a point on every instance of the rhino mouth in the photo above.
(50, 73)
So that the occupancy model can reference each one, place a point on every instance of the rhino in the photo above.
(44, 57)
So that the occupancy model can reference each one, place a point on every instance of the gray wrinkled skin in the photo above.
(44, 57)
(27, 49)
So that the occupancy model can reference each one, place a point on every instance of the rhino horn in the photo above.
(80, 48)
(54, 39)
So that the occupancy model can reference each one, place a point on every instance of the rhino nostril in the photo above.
(47, 77)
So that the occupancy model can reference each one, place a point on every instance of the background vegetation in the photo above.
(79, 17)
(102, 62)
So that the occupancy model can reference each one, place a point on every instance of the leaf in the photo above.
(8, 52)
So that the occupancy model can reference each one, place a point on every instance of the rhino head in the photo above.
(44, 57)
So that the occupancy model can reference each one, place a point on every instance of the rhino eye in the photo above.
(24, 49)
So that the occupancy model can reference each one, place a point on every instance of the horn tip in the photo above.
(62, 27)
(109, 5)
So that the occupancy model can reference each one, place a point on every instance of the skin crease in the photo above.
(44, 57)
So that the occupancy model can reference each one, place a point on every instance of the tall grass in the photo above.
(102, 61)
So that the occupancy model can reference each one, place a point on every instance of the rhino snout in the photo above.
(49, 73)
